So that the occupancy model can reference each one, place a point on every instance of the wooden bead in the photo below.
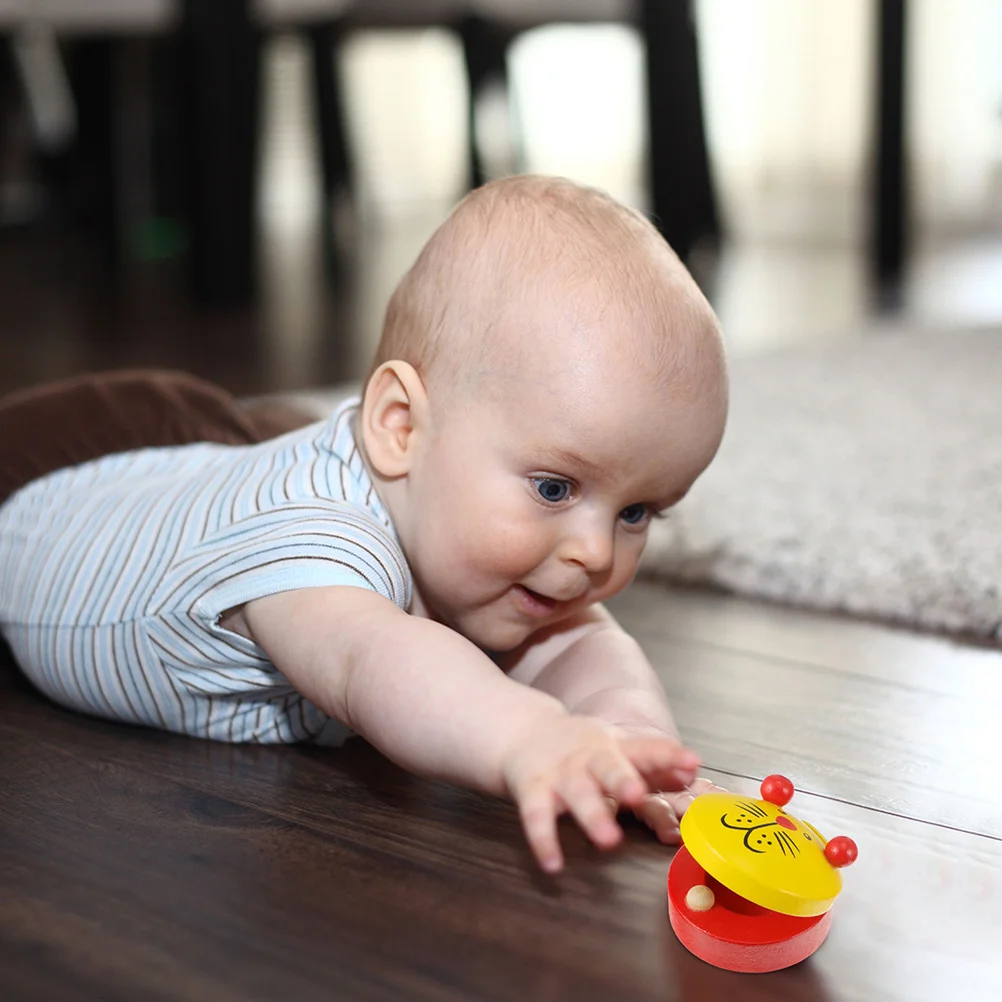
(699, 898)
(841, 851)
(777, 790)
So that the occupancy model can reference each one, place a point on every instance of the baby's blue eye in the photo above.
(634, 514)
(552, 490)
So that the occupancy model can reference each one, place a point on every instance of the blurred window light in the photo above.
(786, 98)
(955, 113)
(578, 104)
(788, 91)
(406, 97)
(290, 169)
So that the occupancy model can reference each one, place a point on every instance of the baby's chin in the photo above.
(490, 634)
(490, 626)
(498, 639)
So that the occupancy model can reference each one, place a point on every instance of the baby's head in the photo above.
(549, 379)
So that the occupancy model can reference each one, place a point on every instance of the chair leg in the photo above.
(684, 202)
(337, 171)
(167, 138)
(485, 46)
(96, 71)
(889, 208)
(329, 107)
(220, 65)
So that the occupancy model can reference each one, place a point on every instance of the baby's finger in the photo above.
(660, 816)
(618, 778)
(663, 764)
(587, 803)
(703, 785)
(538, 811)
(668, 780)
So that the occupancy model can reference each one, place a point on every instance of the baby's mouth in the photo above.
(533, 603)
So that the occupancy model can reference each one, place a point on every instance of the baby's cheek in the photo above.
(461, 544)
(506, 552)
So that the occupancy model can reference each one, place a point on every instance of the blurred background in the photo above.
(233, 187)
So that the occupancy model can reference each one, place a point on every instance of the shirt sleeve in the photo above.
(299, 545)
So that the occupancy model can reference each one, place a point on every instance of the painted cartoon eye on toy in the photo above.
(751, 886)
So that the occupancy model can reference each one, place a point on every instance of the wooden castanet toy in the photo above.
(751, 886)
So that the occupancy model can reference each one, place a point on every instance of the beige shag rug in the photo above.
(864, 477)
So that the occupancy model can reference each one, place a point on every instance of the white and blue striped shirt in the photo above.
(114, 575)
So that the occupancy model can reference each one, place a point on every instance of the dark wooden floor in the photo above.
(135, 864)
(138, 865)
(62, 313)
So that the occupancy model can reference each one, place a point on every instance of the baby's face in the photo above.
(534, 499)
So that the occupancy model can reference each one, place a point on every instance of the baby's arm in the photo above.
(595, 668)
(435, 704)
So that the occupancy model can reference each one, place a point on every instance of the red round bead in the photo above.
(841, 851)
(777, 790)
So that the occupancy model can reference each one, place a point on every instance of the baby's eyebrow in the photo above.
(567, 457)
(674, 500)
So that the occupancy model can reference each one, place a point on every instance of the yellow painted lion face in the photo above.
(762, 853)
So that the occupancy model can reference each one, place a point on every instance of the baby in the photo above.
(426, 568)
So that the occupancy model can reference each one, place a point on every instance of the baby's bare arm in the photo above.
(421, 693)
(435, 704)
(595, 668)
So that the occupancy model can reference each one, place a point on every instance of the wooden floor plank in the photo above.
(912, 729)
(717, 619)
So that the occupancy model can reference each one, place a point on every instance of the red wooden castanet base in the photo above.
(735, 933)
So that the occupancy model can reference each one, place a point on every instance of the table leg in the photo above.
(889, 207)
(220, 56)
(683, 199)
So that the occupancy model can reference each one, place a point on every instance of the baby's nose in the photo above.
(592, 547)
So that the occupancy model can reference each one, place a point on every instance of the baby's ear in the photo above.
(394, 408)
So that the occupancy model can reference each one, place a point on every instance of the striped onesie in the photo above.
(114, 575)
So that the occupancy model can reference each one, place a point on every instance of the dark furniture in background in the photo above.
(889, 181)
(219, 56)
(222, 94)
(682, 190)
(683, 199)
(206, 125)
(212, 65)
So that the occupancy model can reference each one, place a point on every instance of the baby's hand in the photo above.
(585, 767)
(662, 812)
